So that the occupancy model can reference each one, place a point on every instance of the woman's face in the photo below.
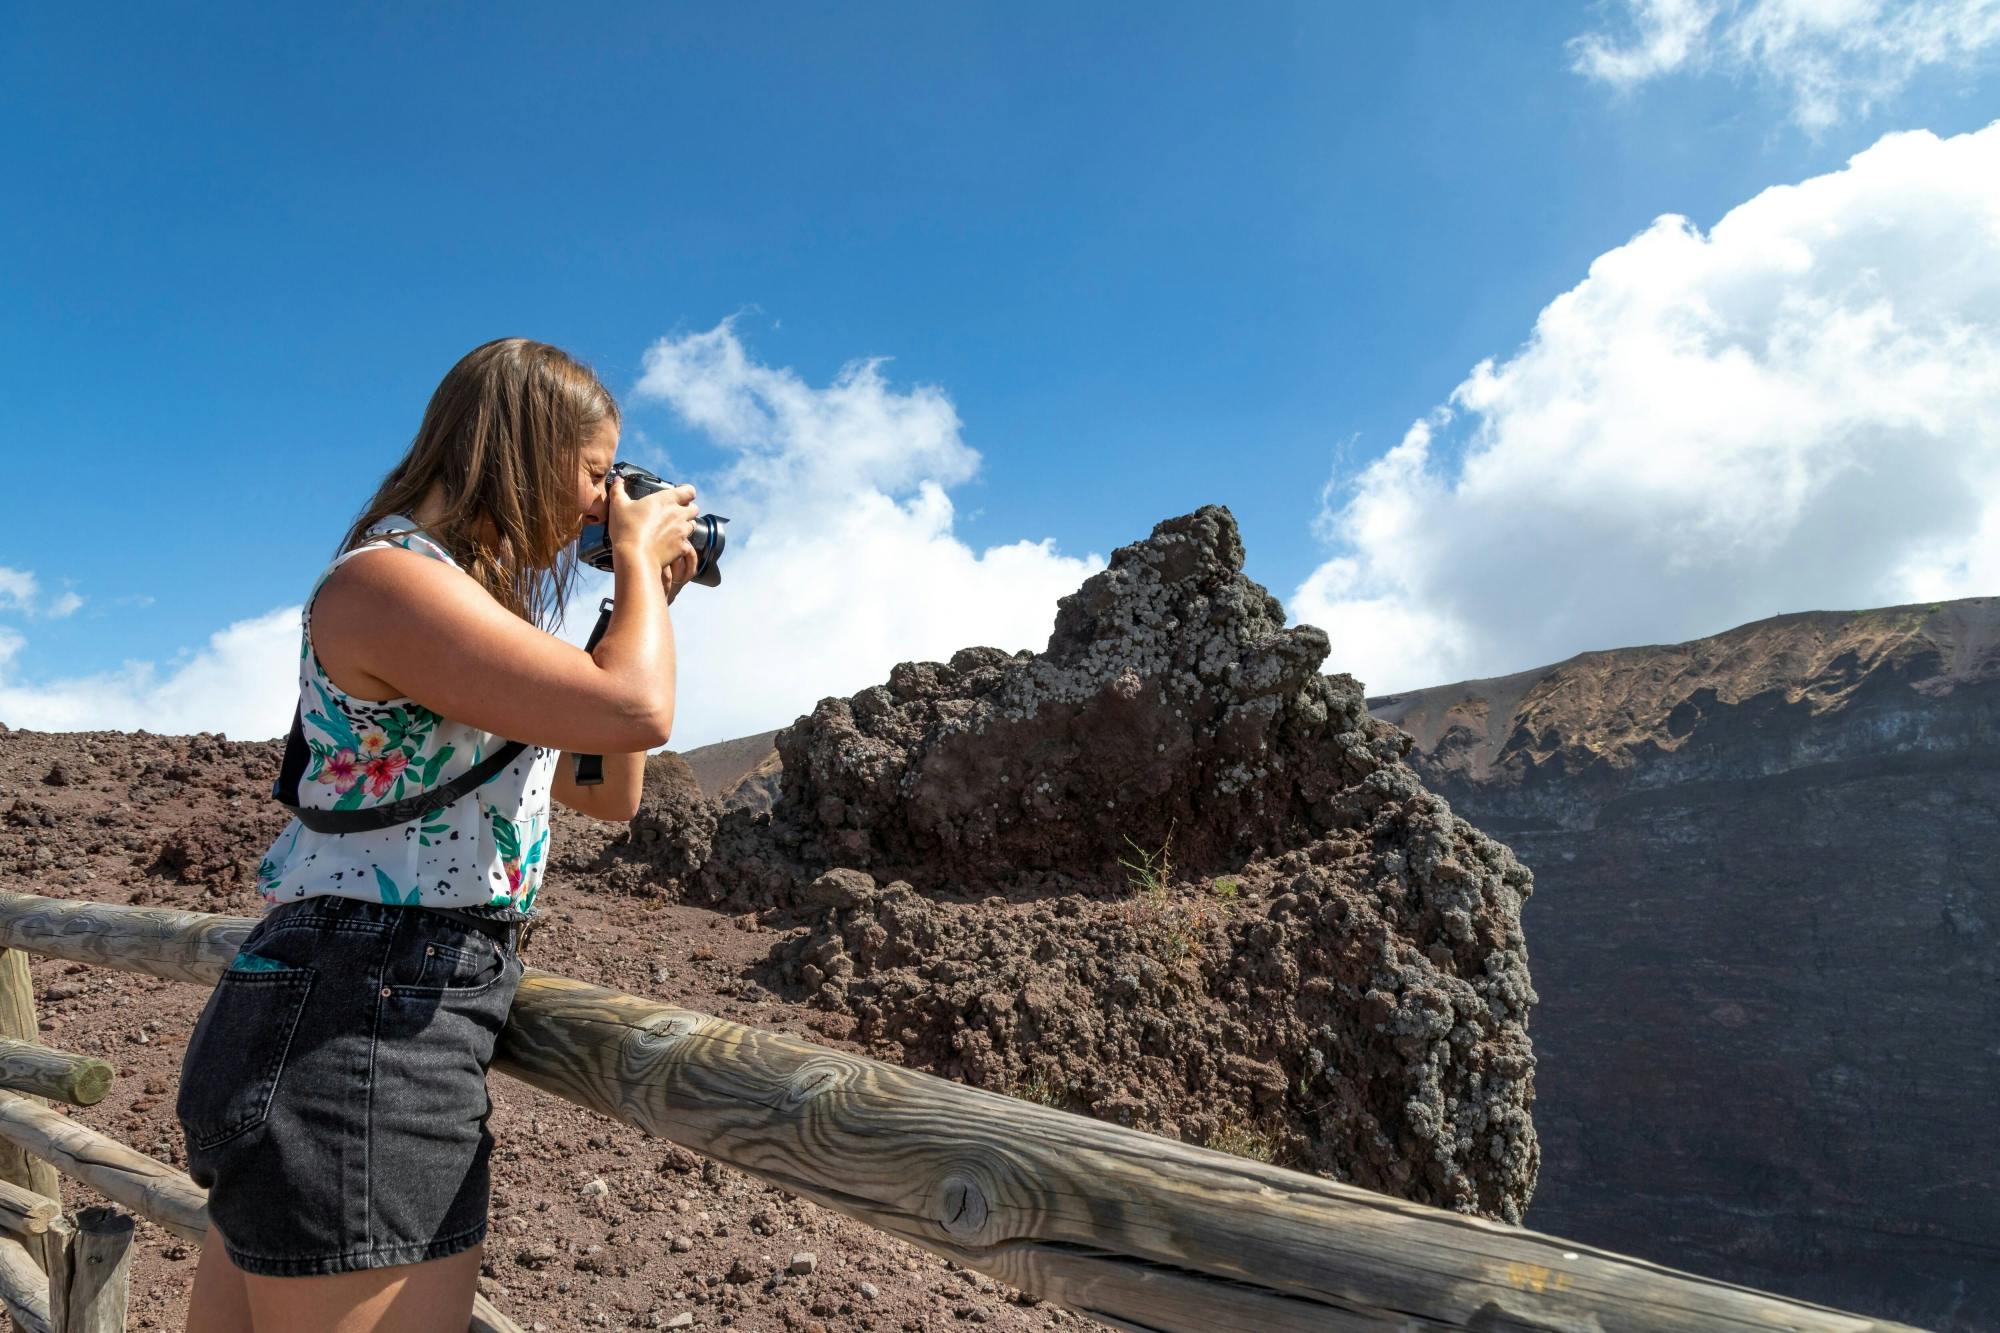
(594, 460)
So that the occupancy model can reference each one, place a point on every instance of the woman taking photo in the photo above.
(333, 1095)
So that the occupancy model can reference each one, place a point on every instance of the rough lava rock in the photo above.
(1165, 873)
(664, 845)
(1171, 699)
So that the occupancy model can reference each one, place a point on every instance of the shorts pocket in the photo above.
(237, 1052)
(472, 966)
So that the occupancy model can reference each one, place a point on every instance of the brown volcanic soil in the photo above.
(181, 821)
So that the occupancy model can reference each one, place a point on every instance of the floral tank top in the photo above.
(485, 851)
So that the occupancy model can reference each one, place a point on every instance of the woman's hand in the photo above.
(656, 531)
(677, 573)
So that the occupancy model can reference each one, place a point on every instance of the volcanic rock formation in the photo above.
(1165, 873)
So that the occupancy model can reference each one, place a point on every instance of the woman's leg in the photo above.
(219, 1303)
(431, 1297)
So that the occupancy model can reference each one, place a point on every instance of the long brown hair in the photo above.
(502, 437)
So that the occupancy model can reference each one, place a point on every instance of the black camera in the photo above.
(593, 548)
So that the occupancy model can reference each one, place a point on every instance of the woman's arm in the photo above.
(426, 629)
(616, 799)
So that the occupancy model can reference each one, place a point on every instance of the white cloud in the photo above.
(1671, 34)
(1832, 57)
(1799, 410)
(243, 682)
(842, 558)
(17, 589)
(20, 590)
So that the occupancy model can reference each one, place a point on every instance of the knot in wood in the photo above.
(642, 1043)
(962, 1206)
(814, 1078)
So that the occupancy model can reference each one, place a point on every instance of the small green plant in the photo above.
(1042, 1092)
(1151, 876)
(1152, 871)
(1243, 1141)
(1226, 887)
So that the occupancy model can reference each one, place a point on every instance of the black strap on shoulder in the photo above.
(286, 790)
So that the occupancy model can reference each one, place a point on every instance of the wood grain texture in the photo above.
(24, 1288)
(18, 1021)
(121, 1174)
(24, 1212)
(181, 946)
(89, 1285)
(30, 1067)
(1137, 1231)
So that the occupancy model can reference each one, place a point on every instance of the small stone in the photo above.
(740, 1271)
(680, 1244)
(803, 1263)
(685, 1319)
(868, 1290)
(595, 1189)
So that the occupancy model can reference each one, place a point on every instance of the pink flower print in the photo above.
(372, 743)
(513, 879)
(342, 769)
(382, 772)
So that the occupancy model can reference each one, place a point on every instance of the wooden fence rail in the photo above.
(1137, 1231)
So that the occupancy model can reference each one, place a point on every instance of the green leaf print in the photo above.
(333, 721)
(535, 852)
(393, 896)
(321, 752)
(434, 764)
(505, 838)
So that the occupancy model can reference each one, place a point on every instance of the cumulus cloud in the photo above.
(18, 589)
(21, 591)
(242, 682)
(1832, 57)
(843, 559)
(1798, 410)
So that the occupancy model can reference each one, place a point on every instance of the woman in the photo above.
(333, 1095)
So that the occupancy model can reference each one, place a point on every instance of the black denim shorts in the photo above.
(333, 1095)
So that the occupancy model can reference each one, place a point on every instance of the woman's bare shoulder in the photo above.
(373, 599)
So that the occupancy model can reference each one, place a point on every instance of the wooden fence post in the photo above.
(24, 1288)
(17, 1019)
(88, 1287)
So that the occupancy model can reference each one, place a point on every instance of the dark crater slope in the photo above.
(1304, 955)
(1767, 944)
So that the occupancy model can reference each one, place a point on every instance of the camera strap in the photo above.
(286, 790)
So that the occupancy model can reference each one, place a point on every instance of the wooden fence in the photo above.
(1139, 1232)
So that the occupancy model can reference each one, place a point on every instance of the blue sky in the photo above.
(1150, 256)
